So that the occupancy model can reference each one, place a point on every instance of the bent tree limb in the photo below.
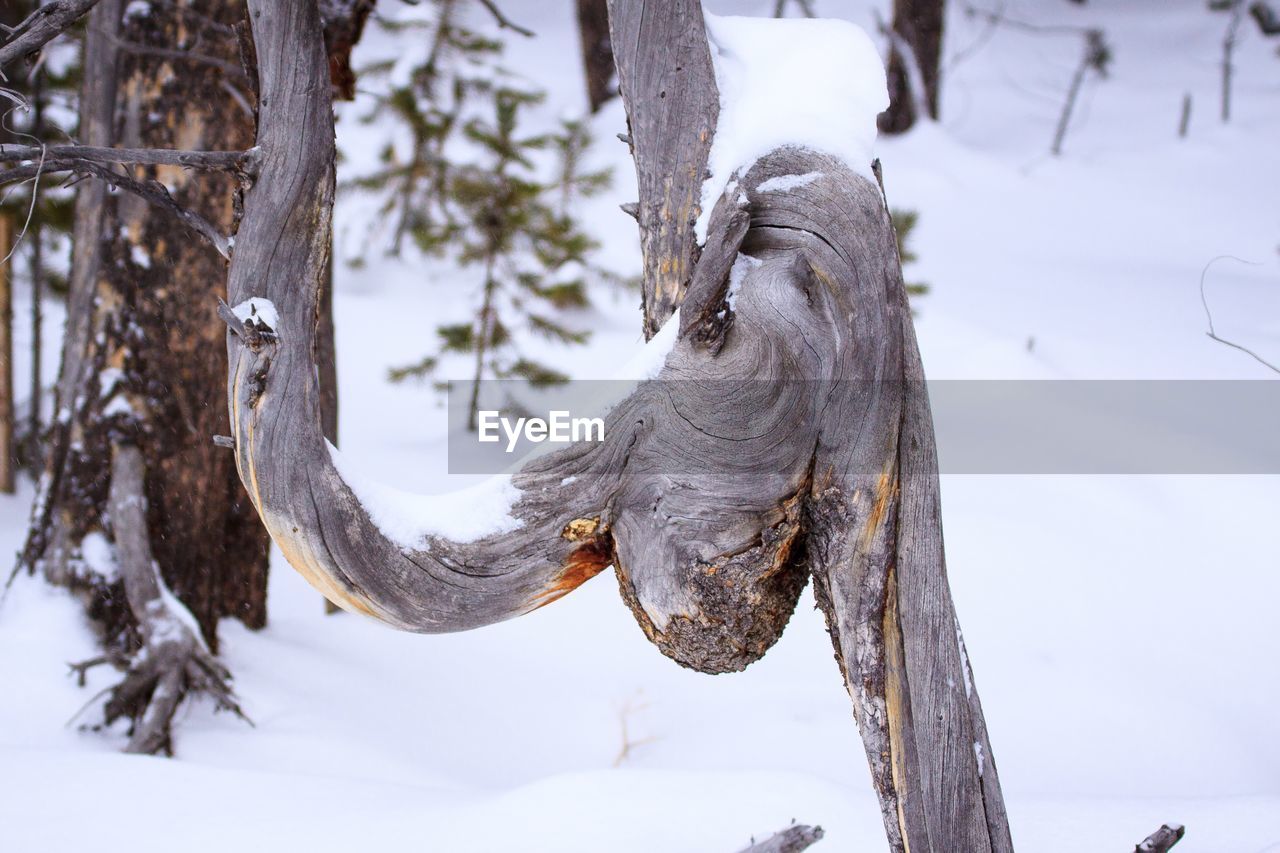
(787, 436)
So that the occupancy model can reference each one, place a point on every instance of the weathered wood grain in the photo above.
(669, 88)
(787, 435)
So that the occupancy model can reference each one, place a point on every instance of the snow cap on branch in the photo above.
(812, 83)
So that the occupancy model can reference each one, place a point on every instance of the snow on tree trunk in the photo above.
(789, 434)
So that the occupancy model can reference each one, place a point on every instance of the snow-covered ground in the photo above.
(1122, 628)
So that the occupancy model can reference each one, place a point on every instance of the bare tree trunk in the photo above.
(141, 364)
(597, 51)
(788, 448)
(8, 459)
(916, 46)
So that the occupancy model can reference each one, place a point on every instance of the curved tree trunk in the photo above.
(787, 436)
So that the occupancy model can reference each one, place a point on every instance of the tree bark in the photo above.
(787, 435)
(663, 62)
(915, 54)
(142, 365)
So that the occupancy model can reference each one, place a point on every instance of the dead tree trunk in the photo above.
(142, 374)
(788, 434)
(915, 58)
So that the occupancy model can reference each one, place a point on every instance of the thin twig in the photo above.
(503, 21)
(30, 210)
(151, 191)
(1204, 300)
(1001, 19)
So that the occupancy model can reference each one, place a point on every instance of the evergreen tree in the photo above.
(476, 190)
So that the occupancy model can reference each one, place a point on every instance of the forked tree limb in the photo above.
(788, 433)
(43, 25)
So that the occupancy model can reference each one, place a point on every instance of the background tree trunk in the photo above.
(8, 457)
(142, 362)
(915, 51)
(597, 51)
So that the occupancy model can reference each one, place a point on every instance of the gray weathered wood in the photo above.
(793, 839)
(668, 85)
(174, 661)
(787, 435)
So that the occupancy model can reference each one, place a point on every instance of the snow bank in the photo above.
(808, 82)
(464, 515)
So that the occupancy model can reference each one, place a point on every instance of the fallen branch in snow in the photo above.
(1162, 839)
(173, 661)
(42, 26)
(1213, 335)
(790, 840)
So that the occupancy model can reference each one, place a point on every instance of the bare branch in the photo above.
(151, 191)
(503, 21)
(41, 26)
(793, 839)
(229, 161)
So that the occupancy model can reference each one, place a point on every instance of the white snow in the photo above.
(1096, 255)
(813, 83)
(788, 182)
(99, 557)
(464, 515)
(260, 310)
(647, 362)
(742, 266)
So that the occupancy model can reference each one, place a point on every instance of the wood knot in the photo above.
(580, 529)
